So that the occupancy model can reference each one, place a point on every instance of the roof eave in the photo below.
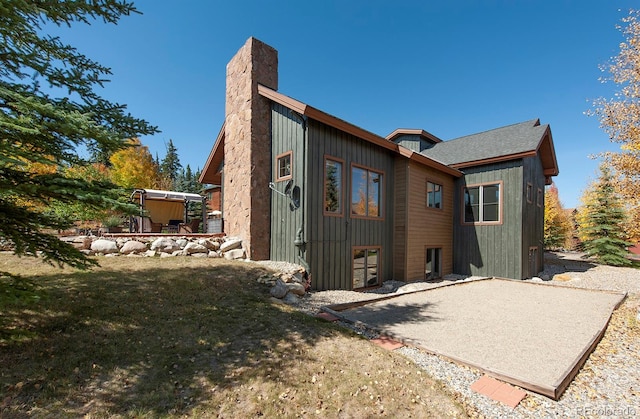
(210, 172)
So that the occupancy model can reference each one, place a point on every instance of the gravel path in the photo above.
(608, 385)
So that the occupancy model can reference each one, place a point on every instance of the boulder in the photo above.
(234, 254)
(149, 253)
(133, 246)
(214, 254)
(104, 246)
(192, 248)
(296, 288)
(279, 290)
(165, 244)
(209, 244)
(230, 245)
(199, 255)
(182, 243)
(291, 298)
(167, 255)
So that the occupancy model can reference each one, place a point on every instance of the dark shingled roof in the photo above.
(500, 142)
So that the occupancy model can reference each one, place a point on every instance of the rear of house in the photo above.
(356, 209)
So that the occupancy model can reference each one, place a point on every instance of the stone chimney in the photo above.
(247, 147)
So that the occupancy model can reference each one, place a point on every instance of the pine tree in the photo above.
(38, 127)
(170, 166)
(602, 222)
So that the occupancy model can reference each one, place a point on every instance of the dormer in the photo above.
(413, 139)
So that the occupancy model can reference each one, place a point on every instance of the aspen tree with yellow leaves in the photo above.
(620, 119)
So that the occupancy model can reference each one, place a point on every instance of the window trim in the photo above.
(441, 195)
(500, 221)
(280, 156)
(324, 187)
(530, 192)
(379, 283)
(381, 197)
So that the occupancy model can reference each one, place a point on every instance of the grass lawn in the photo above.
(175, 337)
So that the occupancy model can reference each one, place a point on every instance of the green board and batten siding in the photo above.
(287, 135)
(491, 250)
(502, 250)
(329, 239)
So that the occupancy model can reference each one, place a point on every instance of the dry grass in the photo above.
(190, 337)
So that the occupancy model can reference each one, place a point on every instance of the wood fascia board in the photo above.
(547, 152)
(349, 128)
(493, 160)
(216, 156)
(325, 118)
(412, 131)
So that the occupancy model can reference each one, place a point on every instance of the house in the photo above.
(355, 208)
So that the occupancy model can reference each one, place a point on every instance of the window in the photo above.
(365, 267)
(332, 187)
(283, 166)
(482, 204)
(529, 193)
(434, 195)
(433, 263)
(366, 188)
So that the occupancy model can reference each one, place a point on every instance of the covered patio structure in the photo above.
(166, 211)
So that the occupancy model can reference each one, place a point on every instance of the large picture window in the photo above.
(482, 204)
(434, 195)
(332, 186)
(366, 192)
(366, 265)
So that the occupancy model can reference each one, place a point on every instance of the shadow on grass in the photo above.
(159, 340)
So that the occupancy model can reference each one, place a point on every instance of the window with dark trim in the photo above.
(434, 195)
(284, 166)
(482, 203)
(366, 267)
(366, 192)
(332, 186)
(529, 193)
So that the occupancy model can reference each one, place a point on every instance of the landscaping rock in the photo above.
(192, 248)
(279, 290)
(214, 254)
(150, 253)
(209, 244)
(230, 245)
(182, 243)
(133, 246)
(291, 298)
(104, 246)
(167, 255)
(234, 254)
(165, 244)
(199, 255)
(296, 288)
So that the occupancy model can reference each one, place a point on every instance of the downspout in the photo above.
(300, 241)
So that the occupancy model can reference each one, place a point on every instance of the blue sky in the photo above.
(452, 68)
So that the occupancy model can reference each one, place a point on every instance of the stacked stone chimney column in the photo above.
(247, 148)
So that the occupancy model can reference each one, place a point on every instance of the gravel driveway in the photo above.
(607, 385)
(527, 334)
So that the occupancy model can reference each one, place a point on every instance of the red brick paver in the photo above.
(387, 343)
(327, 316)
(499, 391)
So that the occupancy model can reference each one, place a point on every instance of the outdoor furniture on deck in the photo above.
(189, 228)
